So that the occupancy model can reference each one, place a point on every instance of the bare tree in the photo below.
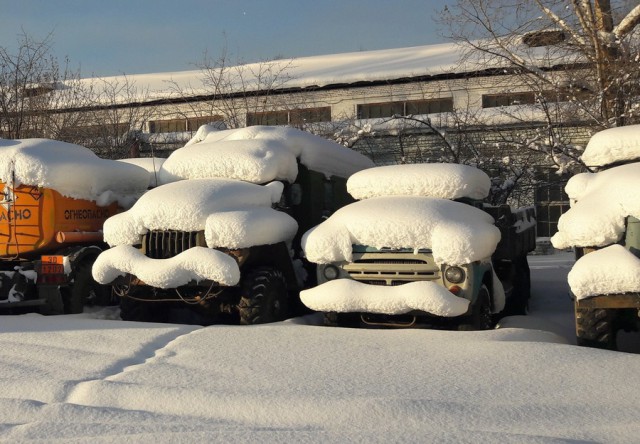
(585, 52)
(28, 77)
(234, 91)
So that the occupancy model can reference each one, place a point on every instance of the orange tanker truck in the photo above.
(54, 198)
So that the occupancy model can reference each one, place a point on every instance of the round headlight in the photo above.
(330, 272)
(454, 275)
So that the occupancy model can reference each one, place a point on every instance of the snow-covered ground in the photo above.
(81, 378)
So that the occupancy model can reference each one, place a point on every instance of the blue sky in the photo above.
(108, 37)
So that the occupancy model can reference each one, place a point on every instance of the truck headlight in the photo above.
(330, 272)
(455, 275)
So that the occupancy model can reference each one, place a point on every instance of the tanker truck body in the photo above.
(54, 199)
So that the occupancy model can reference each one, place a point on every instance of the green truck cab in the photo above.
(436, 255)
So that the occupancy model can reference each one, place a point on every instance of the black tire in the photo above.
(139, 311)
(84, 290)
(518, 303)
(481, 317)
(333, 319)
(595, 328)
(263, 297)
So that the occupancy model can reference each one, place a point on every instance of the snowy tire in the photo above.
(84, 290)
(481, 317)
(264, 297)
(594, 328)
(333, 319)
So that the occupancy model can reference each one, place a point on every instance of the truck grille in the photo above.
(166, 243)
(385, 269)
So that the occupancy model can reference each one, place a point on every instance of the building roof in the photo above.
(321, 71)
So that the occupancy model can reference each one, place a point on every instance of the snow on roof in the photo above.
(349, 296)
(259, 154)
(456, 233)
(188, 205)
(151, 164)
(323, 70)
(611, 270)
(600, 203)
(613, 145)
(72, 170)
(445, 181)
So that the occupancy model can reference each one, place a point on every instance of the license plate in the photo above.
(52, 265)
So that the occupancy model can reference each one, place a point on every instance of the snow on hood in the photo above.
(349, 296)
(445, 181)
(151, 164)
(72, 170)
(613, 145)
(234, 214)
(600, 203)
(194, 264)
(612, 270)
(259, 154)
(456, 233)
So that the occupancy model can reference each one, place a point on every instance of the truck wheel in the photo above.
(137, 311)
(481, 317)
(518, 303)
(84, 290)
(333, 319)
(264, 297)
(594, 328)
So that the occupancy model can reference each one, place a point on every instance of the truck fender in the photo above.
(78, 255)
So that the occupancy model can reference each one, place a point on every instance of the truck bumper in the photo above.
(625, 300)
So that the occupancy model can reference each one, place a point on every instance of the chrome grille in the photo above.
(166, 243)
(392, 268)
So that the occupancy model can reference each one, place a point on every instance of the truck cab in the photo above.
(420, 247)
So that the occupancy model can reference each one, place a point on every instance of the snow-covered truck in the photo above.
(54, 199)
(420, 247)
(603, 226)
(219, 239)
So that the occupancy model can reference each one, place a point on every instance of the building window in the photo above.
(290, 117)
(508, 99)
(404, 108)
(193, 123)
(180, 125)
(551, 202)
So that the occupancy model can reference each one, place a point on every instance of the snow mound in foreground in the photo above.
(259, 154)
(611, 270)
(233, 214)
(194, 264)
(349, 296)
(601, 202)
(72, 170)
(613, 145)
(444, 181)
(456, 233)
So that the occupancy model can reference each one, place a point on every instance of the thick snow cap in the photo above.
(234, 214)
(457, 233)
(194, 264)
(612, 270)
(441, 180)
(613, 145)
(600, 203)
(151, 164)
(349, 296)
(72, 170)
(259, 154)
